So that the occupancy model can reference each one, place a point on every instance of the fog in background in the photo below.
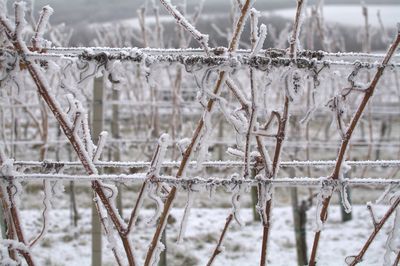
(83, 15)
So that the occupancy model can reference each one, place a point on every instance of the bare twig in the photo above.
(218, 248)
(202, 39)
(197, 133)
(282, 122)
(371, 212)
(37, 38)
(66, 125)
(345, 141)
(356, 259)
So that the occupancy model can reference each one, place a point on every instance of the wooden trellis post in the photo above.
(97, 128)
(115, 133)
(2, 222)
(299, 223)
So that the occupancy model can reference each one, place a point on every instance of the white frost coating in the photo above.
(236, 119)
(295, 84)
(7, 168)
(183, 144)
(100, 145)
(343, 187)
(45, 14)
(159, 156)
(90, 147)
(185, 217)
(20, 23)
(296, 39)
(240, 29)
(156, 256)
(237, 90)
(266, 157)
(325, 191)
(4, 255)
(264, 195)
(235, 152)
(385, 194)
(393, 241)
(108, 228)
(254, 15)
(260, 40)
(235, 200)
(205, 135)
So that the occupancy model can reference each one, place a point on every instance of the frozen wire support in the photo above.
(192, 57)
(208, 164)
(214, 181)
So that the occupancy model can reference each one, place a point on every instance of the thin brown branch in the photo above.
(296, 29)
(238, 95)
(196, 135)
(376, 230)
(40, 27)
(371, 212)
(218, 248)
(202, 39)
(345, 141)
(103, 221)
(44, 92)
(252, 119)
(16, 221)
(282, 122)
(397, 260)
(139, 201)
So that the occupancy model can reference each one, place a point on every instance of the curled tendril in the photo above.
(101, 61)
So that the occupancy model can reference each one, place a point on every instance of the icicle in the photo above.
(235, 200)
(326, 190)
(236, 207)
(186, 213)
(235, 152)
(152, 193)
(343, 187)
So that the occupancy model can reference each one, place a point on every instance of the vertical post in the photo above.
(254, 198)
(97, 128)
(299, 222)
(163, 255)
(116, 135)
(2, 220)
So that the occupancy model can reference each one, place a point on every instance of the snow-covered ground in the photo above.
(67, 245)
